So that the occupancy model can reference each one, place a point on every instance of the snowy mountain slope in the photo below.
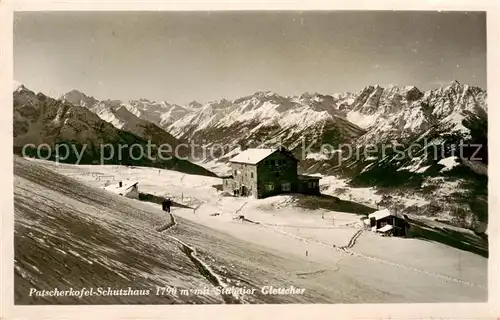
(396, 113)
(124, 116)
(439, 119)
(39, 119)
(433, 166)
(78, 98)
(373, 115)
(159, 113)
(68, 234)
(266, 117)
(444, 162)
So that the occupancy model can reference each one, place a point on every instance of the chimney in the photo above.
(120, 184)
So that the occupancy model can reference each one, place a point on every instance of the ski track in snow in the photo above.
(352, 242)
(219, 282)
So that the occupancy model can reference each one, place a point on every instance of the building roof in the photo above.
(380, 214)
(385, 228)
(254, 156)
(304, 177)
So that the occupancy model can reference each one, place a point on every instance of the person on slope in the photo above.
(167, 203)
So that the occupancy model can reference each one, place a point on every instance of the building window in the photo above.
(286, 186)
(235, 172)
(269, 187)
(309, 185)
(251, 174)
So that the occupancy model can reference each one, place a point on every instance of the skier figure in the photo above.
(167, 203)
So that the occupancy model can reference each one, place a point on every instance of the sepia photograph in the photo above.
(250, 157)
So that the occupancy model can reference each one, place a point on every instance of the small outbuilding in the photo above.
(387, 223)
(128, 189)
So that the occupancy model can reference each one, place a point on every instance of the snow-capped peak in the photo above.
(79, 98)
(194, 104)
(267, 93)
(18, 86)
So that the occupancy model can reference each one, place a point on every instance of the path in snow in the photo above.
(204, 268)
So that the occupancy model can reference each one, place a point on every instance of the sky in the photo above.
(183, 56)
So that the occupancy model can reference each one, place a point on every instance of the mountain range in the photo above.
(371, 116)
(120, 116)
(41, 122)
(374, 114)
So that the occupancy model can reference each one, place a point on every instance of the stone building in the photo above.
(262, 173)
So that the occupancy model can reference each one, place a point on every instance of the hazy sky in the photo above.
(184, 56)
